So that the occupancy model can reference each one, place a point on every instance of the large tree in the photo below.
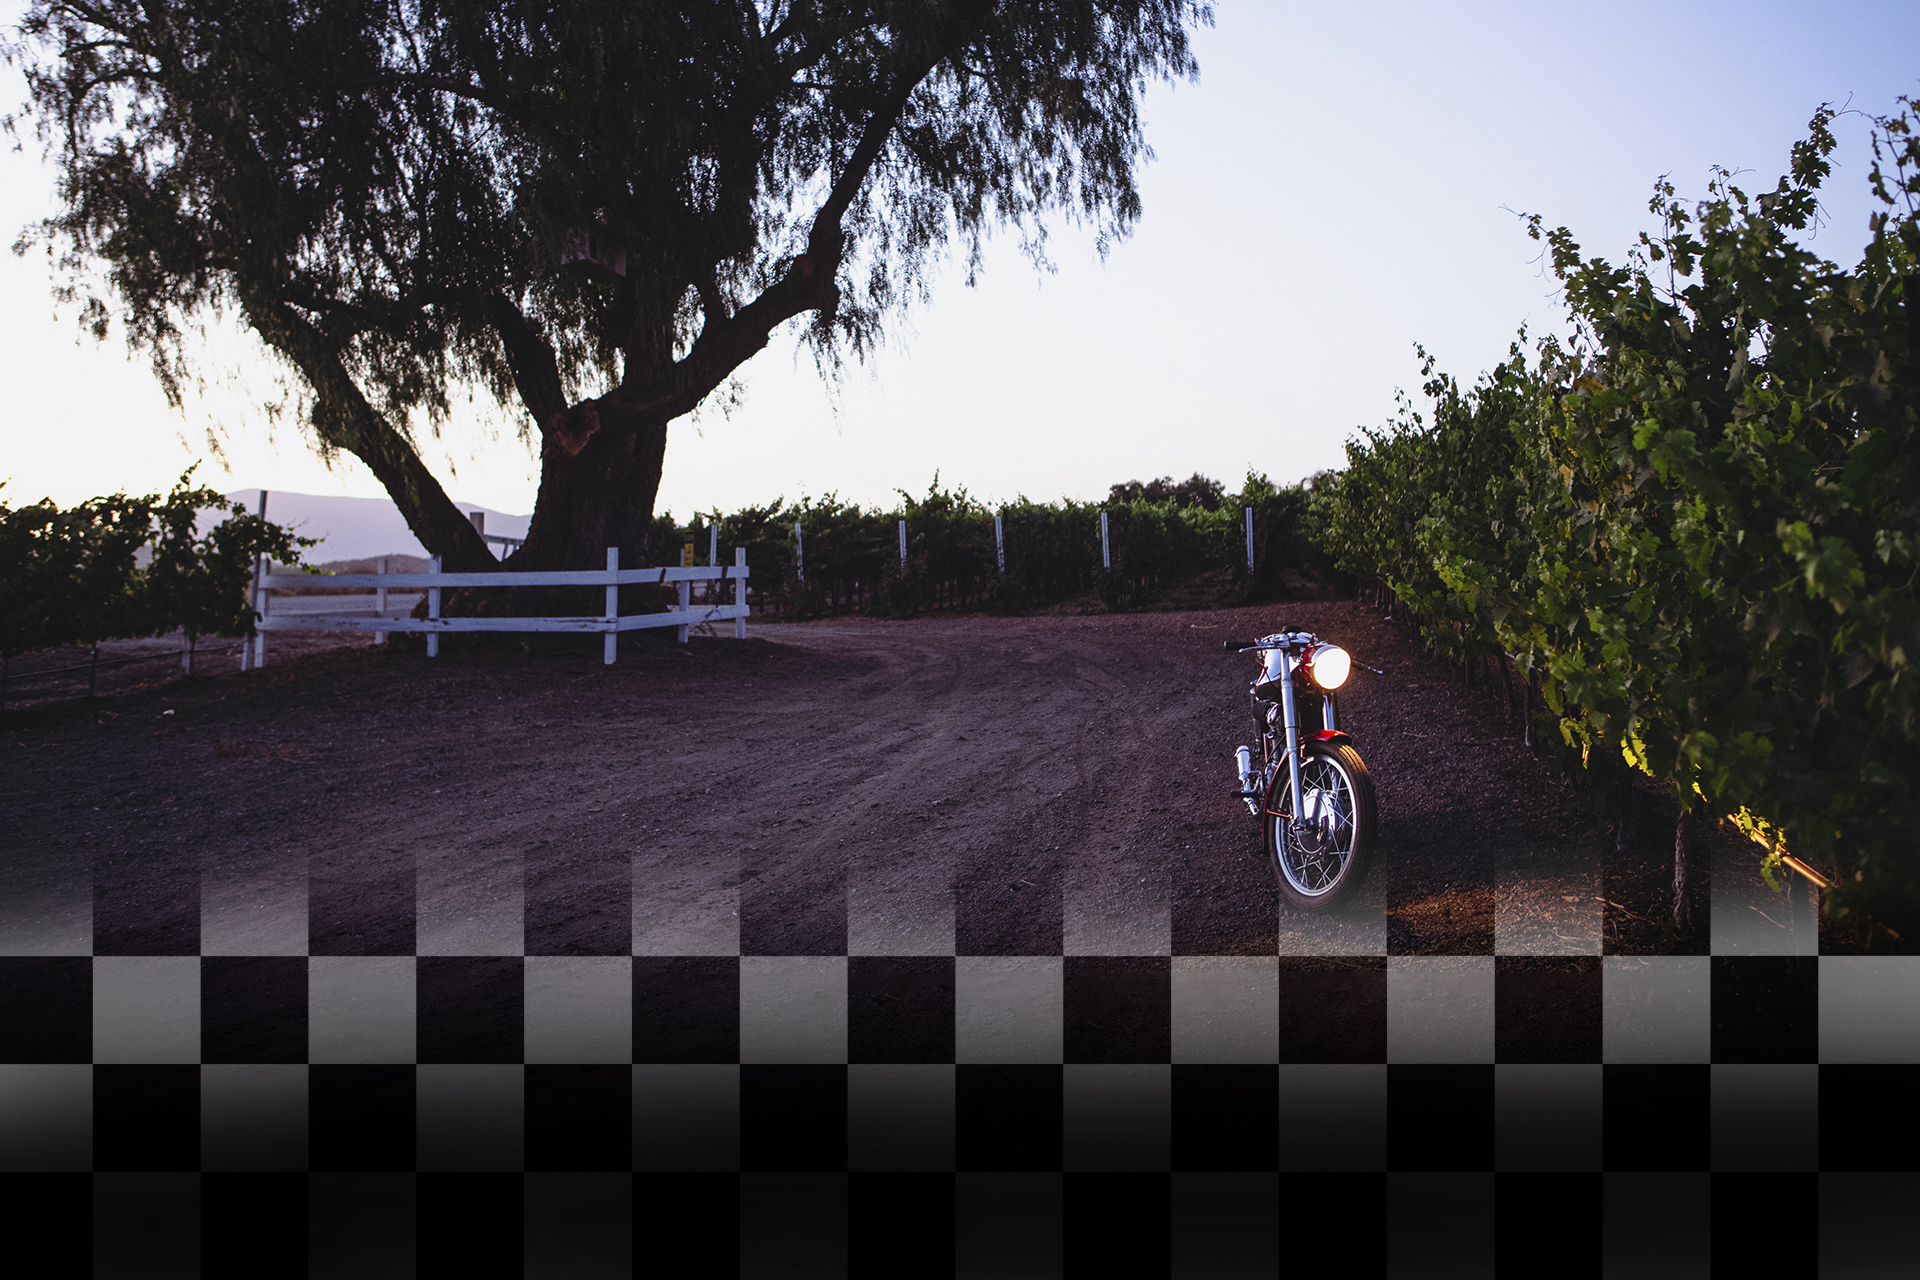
(596, 211)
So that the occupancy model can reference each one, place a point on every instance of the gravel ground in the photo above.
(1021, 786)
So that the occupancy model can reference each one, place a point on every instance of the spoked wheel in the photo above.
(1320, 852)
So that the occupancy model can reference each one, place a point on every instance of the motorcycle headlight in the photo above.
(1326, 667)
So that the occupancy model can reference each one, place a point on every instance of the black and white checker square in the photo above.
(393, 1073)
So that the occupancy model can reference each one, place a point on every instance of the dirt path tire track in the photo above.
(1011, 786)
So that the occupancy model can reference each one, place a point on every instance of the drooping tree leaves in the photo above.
(389, 194)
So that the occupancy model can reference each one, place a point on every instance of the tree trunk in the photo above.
(1910, 298)
(599, 475)
(1526, 711)
(1683, 831)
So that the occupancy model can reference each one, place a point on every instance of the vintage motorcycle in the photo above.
(1311, 791)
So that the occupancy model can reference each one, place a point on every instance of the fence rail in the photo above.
(611, 623)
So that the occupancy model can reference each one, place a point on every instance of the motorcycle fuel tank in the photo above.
(1274, 670)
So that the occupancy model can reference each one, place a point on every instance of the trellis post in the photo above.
(1249, 542)
(1106, 553)
(999, 546)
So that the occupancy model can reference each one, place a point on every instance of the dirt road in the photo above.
(975, 785)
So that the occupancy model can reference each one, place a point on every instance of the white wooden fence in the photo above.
(613, 577)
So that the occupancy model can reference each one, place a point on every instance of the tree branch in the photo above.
(441, 84)
(824, 241)
(531, 358)
(807, 285)
(345, 420)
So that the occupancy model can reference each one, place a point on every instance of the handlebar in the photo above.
(1264, 642)
(1240, 646)
(1237, 646)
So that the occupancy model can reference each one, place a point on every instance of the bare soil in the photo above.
(1021, 786)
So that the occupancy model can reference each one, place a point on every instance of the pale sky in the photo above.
(1334, 189)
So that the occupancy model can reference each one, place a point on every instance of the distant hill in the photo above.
(360, 528)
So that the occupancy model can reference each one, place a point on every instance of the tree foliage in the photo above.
(388, 194)
(1195, 491)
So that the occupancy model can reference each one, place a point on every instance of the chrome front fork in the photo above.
(1290, 735)
(1252, 789)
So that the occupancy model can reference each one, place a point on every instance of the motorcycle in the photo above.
(1320, 844)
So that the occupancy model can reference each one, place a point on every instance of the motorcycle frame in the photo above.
(1290, 734)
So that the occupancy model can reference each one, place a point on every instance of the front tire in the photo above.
(1321, 851)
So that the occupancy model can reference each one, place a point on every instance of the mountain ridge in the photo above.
(359, 528)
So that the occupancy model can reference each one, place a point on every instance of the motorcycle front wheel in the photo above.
(1322, 846)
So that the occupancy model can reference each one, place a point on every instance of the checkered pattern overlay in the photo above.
(410, 1064)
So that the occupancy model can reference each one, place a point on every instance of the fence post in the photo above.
(1106, 553)
(799, 556)
(433, 612)
(999, 545)
(1249, 542)
(256, 649)
(903, 544)
(710, 592)
(263, 606)
(740, 592)
(613, 604)
(380, 600)
(686, 597)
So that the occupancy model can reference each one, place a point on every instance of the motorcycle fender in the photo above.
(1322, 735)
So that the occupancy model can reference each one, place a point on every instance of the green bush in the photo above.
(72, 577)
(198, 583)
(1698, 530)
(69, 577)
(1162, 535)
